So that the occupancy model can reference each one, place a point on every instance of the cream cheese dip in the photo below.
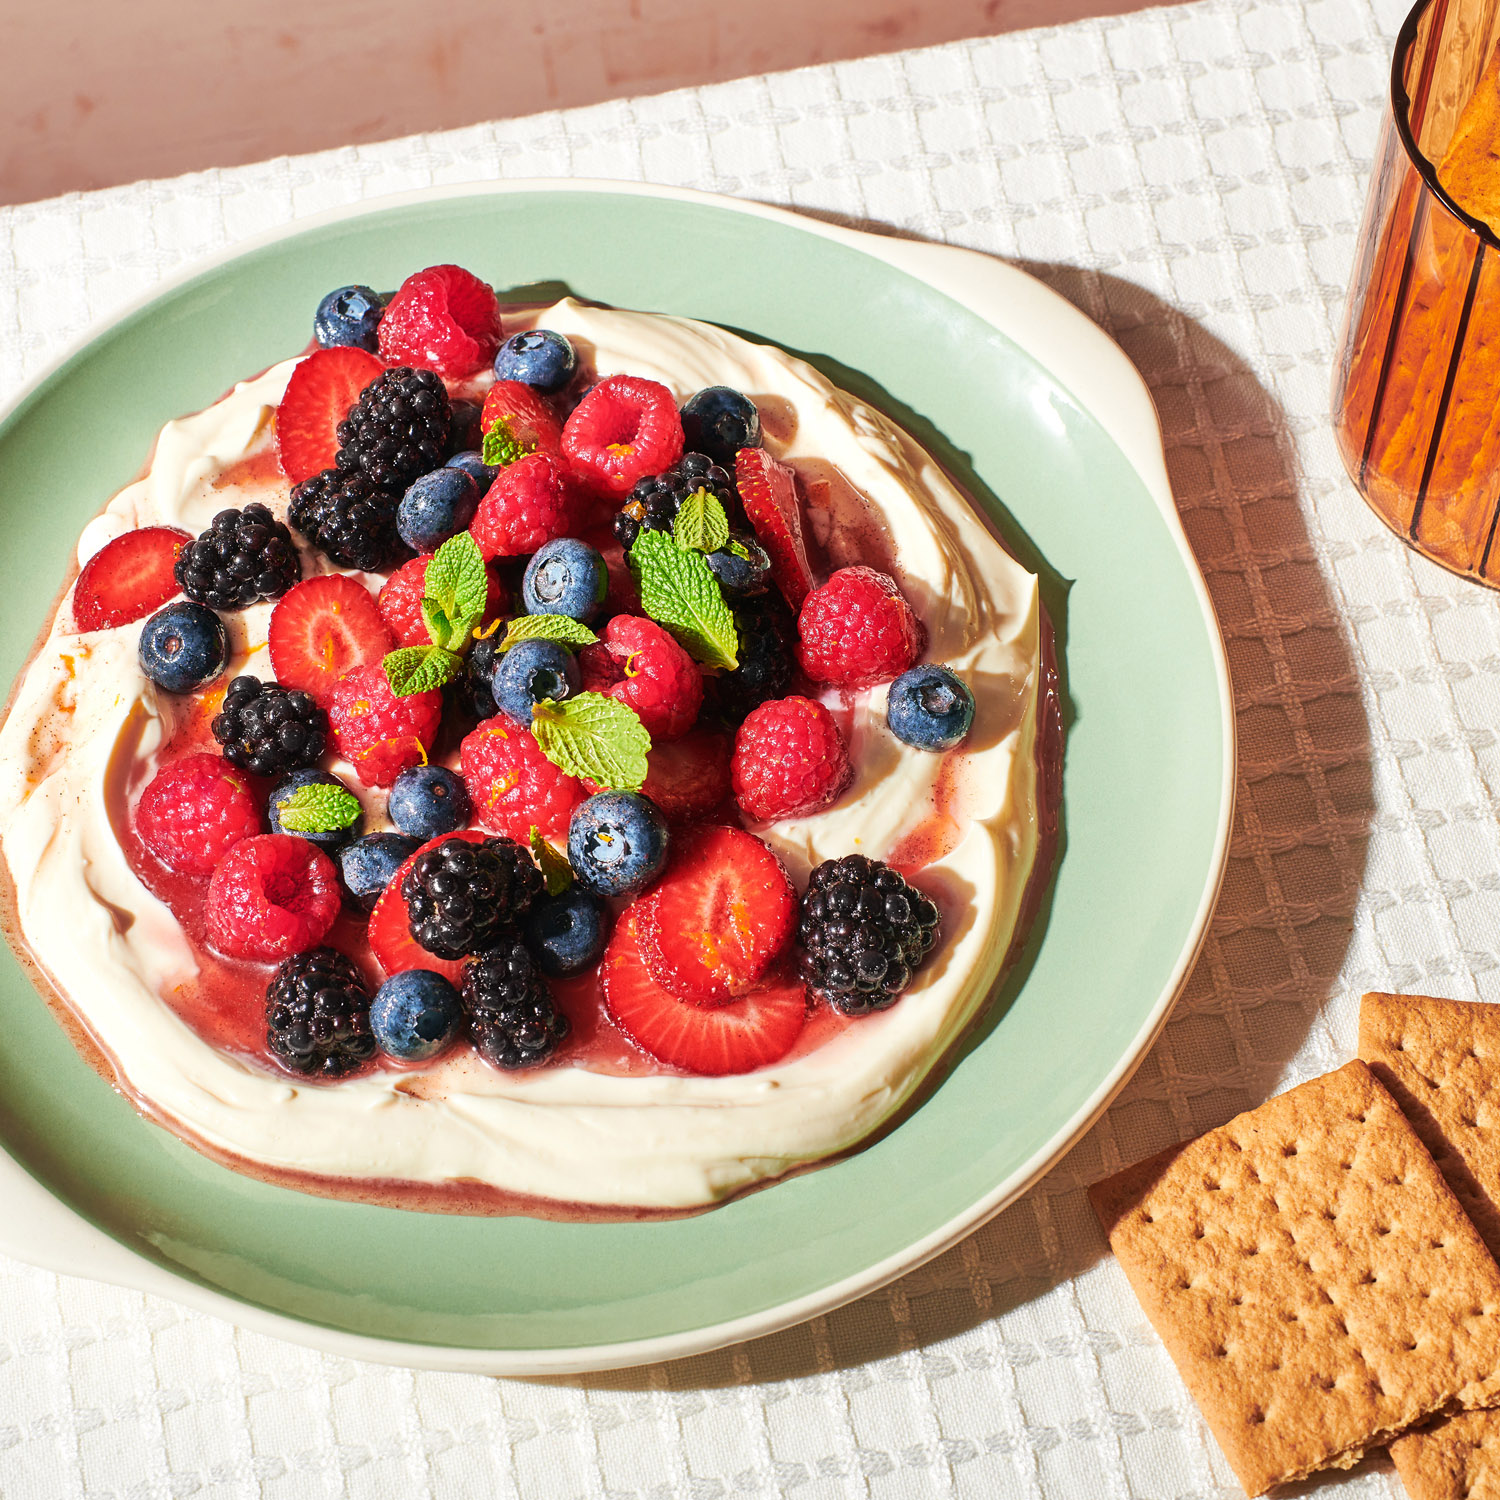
(86, 728)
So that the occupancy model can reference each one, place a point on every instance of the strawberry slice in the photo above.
(749, 1032)
(769, 491)
(711, 926)
(321, 629)
(687, 778)
(532, 422)
(128, 578)
(395, 949)
(318, 397)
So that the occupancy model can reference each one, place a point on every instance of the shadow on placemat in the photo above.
(1284, 919)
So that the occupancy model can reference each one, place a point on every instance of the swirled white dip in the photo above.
(86, 726)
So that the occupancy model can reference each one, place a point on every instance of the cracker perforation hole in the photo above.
(1290, 1149)
(1257, 1416)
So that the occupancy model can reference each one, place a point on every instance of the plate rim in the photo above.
(1096, 372)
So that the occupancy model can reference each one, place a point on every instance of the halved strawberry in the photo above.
(769, 491)
(128, 578)
(318, 397)
(748, 1032)
(714, 922)
(687, 778)
(395, 949)
(532, 422)
(321, 629)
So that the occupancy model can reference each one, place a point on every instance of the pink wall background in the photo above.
(99, 92)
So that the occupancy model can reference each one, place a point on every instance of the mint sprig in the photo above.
(563, 628)
(420, 669)
(595, 737)
(679, 591)
(501, 447)
(557, 873)
(701, 524)
(318, 808)
(454, 592)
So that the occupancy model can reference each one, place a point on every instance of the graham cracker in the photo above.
(1312, 1276)
(1459, 1459)
(1440, 1059)
(1470, 168)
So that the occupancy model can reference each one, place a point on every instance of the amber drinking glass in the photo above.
(1416, 388)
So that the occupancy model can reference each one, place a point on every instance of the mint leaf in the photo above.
(701, 525)
(546, 628)
(679, 591)
(318, 808)
(420, 669)
(501, 447)
(557, 873)
(456, 587)
(439, 628)
(594, 736)
(739, 549)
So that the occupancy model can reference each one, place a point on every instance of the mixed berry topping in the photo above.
(270, 729)
(613, 655)
(245, 555)
(318, 1015)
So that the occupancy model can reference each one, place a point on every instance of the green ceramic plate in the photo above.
(1048, 426)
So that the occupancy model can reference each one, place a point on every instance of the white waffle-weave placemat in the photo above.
(1192, 178)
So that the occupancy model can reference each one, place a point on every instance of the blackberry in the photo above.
(768, 644)
(318, 1014)
(863, 932)
(655, 500)
(464, 897)
(244, 555)
(479, 673)
(513, 1022)
(350, 518)
(400, 428)
(269, 729)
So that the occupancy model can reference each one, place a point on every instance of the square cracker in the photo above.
(1459, 1459)
(1312, 1276)
(1440, 1059)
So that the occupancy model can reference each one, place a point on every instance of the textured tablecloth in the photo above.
(1192, 178)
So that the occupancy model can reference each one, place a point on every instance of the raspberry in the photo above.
(445, 319)
(623, 430)
(379, 734)
(272, 896)
(528, 418)
(195, 811)
(789, 760)
(639, 663)
(857, 630)
(513, 785)
(400, 601)
(531, 502)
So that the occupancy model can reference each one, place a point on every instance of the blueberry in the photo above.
(437, 506)
(182, 646)
(415, 1015)
(539, 358)
(740, 577)
(471, 463)
(719, 422)
(531, 671)
(427, 801)
(929, 707)
(617, 843)
(465, 429)
(368, 864)
(565, 578)
(351, 315)
(567, 933)
(281, 794)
